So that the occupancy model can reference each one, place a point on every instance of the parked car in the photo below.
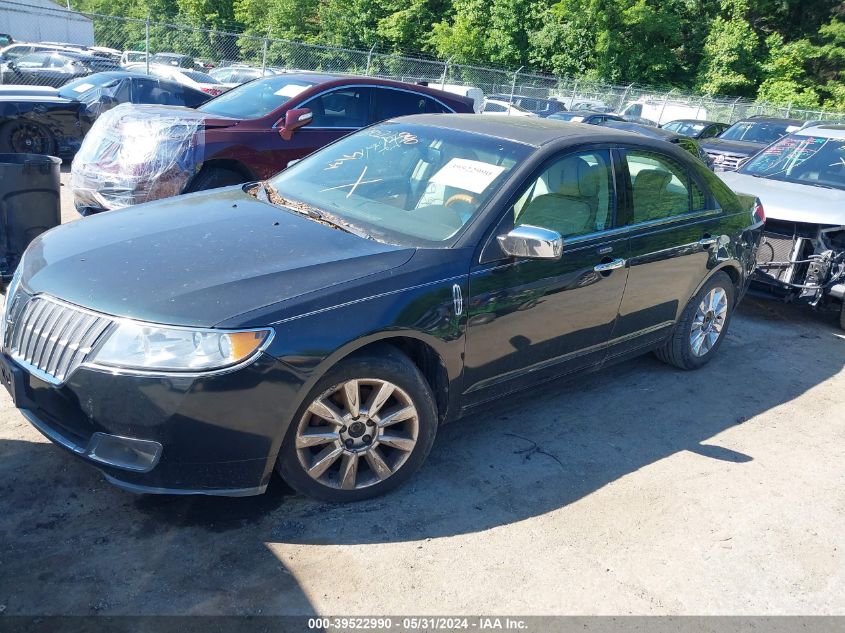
(594, 105)
(695, 128)
(476, 94)
(54, 68)
(20, 49)
(659, 110)
(686, 143)
(248, 133)
(191, 78)
(540, 107)
(639, 120)
(494, 106)
(132, 57)
(745, 138)
(585, 116)
(233, 76)
(54, 121)
(801, 181)
(173, 59)
(327, 325)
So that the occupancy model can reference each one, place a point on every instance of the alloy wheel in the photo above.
(357, 434)
(708, 322)
(27, 138)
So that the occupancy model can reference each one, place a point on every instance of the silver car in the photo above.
(800, 181)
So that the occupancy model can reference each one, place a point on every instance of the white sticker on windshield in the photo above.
(469, 175)
(83, 87)
(290, 90)
(791, 128)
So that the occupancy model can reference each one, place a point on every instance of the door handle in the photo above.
(707, 242)
(608, 266)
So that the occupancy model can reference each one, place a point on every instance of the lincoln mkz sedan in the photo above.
(325, 322)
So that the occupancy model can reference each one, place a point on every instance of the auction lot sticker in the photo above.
(470, 175)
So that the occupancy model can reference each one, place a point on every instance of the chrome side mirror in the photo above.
(533, 242)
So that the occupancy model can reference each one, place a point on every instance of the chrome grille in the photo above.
(728, 162)
(49, 337)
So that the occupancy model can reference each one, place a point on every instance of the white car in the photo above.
(800, 180)
(185, 76)
(232, 76)
(132, 57)
(494, 106)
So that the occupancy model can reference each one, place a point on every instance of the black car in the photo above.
(590, 117)
(745, 138)
(540, 107)
(46, 121)
(325, 322)
(696, 129)
(54, 68)
(686, 143)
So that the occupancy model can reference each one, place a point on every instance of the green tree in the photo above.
(731, 59)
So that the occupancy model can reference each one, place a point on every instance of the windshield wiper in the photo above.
(270, 194)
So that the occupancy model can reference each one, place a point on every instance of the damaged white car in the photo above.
(800, 180)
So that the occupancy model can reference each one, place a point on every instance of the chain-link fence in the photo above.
(147, 43)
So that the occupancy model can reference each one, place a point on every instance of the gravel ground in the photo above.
(638, 490)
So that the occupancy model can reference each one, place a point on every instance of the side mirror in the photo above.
(295, 119)
(533, 242)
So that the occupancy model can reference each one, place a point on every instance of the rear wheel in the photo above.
(364, 429)
(214, 177)
(26, 137)
(703, 325)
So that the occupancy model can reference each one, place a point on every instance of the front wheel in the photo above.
(213, 178)
(703, 325)
(364, 429)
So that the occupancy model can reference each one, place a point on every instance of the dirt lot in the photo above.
(638, 490)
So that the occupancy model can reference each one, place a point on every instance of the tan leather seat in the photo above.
(570, 206)
(651, 197)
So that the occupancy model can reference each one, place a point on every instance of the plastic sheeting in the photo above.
(137, 153)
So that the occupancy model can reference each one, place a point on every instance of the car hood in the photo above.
(731, 147)
(791, 201)
(17, 91)
(198, 259)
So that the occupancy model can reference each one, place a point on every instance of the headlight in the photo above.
(133, 345)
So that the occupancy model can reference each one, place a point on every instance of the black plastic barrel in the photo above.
(29, 204)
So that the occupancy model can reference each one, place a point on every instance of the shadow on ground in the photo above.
(63, 528)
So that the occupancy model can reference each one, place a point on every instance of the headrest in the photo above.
(656, 179)
(575, 177)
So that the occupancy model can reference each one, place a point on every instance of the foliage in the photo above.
(782, 51)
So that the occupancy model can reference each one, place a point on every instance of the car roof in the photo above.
(324, 78)
(695, 121)
(581, 112)
(770, 119)
(535, 131)
(831, 130)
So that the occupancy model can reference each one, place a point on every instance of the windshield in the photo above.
(757, 131)
(808, 160)
(686, 128)
(567, 116)
(256, 99)
(199, 77)
(405, 184)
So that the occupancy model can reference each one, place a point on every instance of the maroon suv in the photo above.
(135, 154)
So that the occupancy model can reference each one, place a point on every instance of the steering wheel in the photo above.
(460, 197)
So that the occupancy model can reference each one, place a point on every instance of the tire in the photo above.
(680, 348)
(22, 136)
(214, 177)
(344, 465)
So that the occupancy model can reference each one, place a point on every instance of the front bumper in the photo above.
(218, 434)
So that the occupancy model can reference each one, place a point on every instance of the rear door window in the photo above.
(659, 187)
